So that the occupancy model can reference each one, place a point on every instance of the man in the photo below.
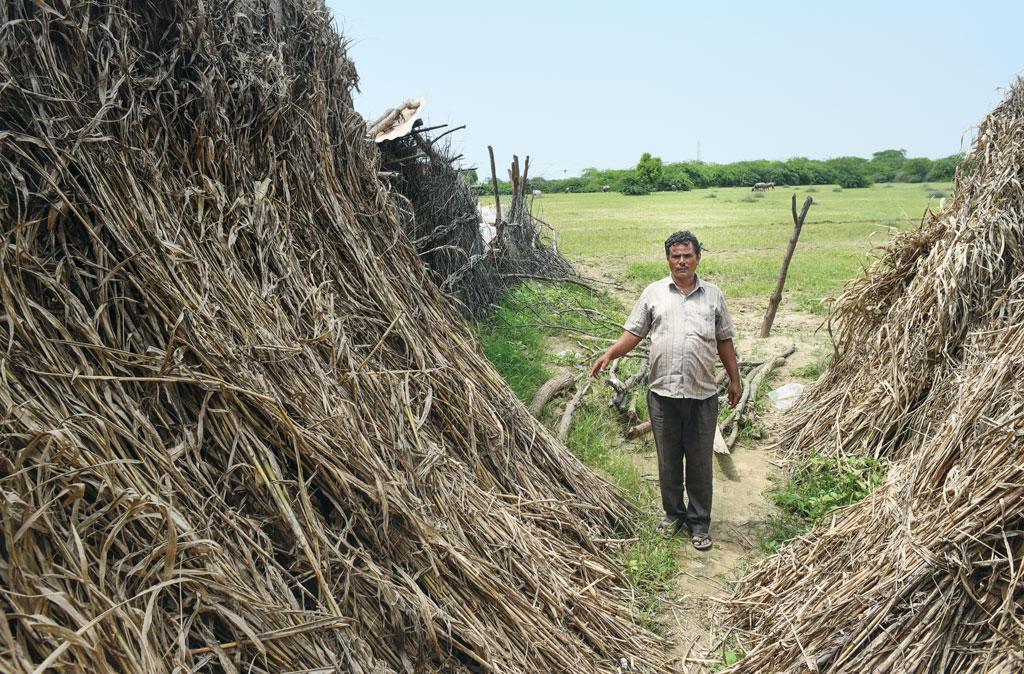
(688, 323)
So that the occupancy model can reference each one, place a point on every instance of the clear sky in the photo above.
(576, 84)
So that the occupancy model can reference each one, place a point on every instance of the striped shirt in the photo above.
(684, 331)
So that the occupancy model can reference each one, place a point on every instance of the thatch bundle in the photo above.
(242, 431)
(927, 574)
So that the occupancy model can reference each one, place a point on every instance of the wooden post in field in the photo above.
(776, 298)
(494, 182)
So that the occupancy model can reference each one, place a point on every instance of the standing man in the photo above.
(688, 323)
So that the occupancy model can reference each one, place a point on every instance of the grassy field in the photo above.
(621, 237)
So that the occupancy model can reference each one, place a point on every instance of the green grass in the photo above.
(513, 345)
(814, 488)
(512, 336)
(814, 369)
(745, 235)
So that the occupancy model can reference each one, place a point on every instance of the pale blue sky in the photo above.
(576, 84)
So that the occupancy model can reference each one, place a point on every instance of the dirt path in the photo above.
(740, 509)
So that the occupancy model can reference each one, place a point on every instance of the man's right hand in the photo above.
(600, 364)
(621, 347)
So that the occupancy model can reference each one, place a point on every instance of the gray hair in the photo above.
(681, 239)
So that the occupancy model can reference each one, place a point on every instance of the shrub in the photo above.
(634, 186)
(649, 171)
(852, 179)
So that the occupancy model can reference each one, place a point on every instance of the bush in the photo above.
(849, 178)
(914, 170)
(633, 186)
(649, 171)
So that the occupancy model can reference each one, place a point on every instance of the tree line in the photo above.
(652, 175)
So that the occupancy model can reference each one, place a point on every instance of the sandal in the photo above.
(701, 541)
(668, 527)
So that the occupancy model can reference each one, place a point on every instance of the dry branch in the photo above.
(570, 411)
(549, 389)
(776, 297)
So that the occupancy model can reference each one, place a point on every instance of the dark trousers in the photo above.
(684, 432)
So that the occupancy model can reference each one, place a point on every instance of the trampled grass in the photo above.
(622, 236)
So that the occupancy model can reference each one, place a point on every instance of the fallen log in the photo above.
(638, 430)
(570, 411)
(548, 389)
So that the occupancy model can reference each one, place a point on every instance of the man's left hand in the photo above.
(734, 393)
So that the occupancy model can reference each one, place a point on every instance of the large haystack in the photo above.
(927, 574)
(242, 431)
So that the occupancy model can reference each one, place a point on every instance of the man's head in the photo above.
(683, 252)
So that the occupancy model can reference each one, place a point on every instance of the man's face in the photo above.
(682, 262)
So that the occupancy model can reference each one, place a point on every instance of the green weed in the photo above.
(817, 486)
(514, 347)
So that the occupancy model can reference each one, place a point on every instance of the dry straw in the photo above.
(927, 574)
(241, 430)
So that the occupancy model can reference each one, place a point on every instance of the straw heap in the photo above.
(927, 574)
(241, 429)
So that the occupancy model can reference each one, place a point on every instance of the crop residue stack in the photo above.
(242, 430)
(925, 575)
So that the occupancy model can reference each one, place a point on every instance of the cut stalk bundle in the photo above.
(242, 430)
(925, 575)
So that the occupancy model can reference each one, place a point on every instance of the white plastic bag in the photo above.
(786, 396)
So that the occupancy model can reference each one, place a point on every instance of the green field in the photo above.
(621, 237)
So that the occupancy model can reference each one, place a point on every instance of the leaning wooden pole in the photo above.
(776, 298)
(494, 183)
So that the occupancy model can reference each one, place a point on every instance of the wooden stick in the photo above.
(570, 411)
(547, 391)
(776, 298)
(751, 384)
(497, 199)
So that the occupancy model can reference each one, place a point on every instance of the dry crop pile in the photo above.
(241, 430)
(927, 574)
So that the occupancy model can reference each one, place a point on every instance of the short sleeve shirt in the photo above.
(684, 331)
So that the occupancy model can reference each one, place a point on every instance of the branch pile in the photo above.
(925, 575)
(242, 431)
(441, 217)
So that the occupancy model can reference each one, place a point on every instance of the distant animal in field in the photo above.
(762, 187)
(606, 188)
(567, 190)
(537, 193)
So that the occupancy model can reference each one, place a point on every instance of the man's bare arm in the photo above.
(623, 345)
(727, 352)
